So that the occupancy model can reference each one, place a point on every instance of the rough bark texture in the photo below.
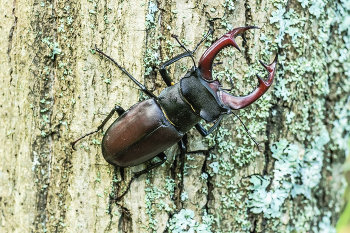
(55, 88)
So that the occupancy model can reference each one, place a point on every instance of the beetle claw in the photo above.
(73, 143)
(205, 66)
(270, 69)
(206, 62)
(240, 32)
(235, 102)
(263, 64)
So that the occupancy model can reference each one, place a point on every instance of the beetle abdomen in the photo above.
(138, 135)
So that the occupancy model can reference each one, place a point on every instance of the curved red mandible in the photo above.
(206, 62)
(238, 102)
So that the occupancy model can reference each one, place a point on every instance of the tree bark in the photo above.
(55, 88)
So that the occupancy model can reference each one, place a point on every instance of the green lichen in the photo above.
(183, 222)
(153, 197)
(341, 127)
(54, 46)
(297, 173)
(294, 174)
(150, 17)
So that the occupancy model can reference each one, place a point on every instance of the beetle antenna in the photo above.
(189, 53)
(256, 143)
(143, 88)
(210, 31)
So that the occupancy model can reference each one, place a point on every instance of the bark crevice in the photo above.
(10, 38)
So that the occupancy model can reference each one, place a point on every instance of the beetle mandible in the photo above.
(149, 127)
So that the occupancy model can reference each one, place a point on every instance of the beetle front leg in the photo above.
(165, 76)
(183, 150)
(203, 131)
(161, 156)
(116, 109)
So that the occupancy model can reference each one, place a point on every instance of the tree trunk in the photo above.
(55, 88)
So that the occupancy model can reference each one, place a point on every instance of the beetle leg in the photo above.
(183, 150)
(165, 76)
(163, 72)
(161, 156)
(116, 109)
(143, 88)
(206, 62)
(203, 131)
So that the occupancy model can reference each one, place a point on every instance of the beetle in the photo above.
(149, 127)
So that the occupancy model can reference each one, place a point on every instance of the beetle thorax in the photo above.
(189, 101)
(203, 99)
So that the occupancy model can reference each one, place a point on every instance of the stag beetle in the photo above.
(151, 126)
